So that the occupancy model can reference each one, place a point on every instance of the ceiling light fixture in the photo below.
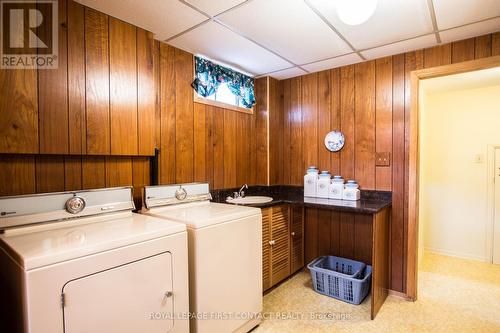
(355, 12)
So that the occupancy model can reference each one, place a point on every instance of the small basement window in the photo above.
(223, 87)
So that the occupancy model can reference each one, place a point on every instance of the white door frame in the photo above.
(490, 225)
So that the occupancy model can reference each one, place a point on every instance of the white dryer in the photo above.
(225, 256)
(83, 262)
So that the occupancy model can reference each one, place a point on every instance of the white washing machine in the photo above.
(225, 256)
(83, 262)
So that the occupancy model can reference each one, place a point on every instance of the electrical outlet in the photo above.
(383, 159)
(479, 158)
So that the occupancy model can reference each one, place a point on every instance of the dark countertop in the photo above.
(371, 201)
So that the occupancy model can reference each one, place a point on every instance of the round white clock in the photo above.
(334, 141)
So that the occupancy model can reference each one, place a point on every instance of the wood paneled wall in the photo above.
(370, 103)
(119, 92)
(200, 142)
(101, 100)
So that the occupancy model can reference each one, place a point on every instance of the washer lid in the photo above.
(46, 245)
(202, 214)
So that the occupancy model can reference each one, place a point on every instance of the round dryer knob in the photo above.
(75, 205)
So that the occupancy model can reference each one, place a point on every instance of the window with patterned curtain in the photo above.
(222, 84)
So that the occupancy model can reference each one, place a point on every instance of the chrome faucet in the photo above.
(240, 193)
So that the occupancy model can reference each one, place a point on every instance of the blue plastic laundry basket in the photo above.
(340, 278)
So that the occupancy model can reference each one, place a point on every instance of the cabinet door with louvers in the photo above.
(297, 238)
(266, 248)
(280, 244)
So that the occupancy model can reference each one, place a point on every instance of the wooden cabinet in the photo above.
(282, 243)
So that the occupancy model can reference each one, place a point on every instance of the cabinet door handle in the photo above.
(272, 242)
(293, 233)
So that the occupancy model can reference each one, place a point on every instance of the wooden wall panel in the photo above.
(72, 173)
(295, 117)
(209, 145)
(17, 175)
(97, 82)
(199, 127)
(324, 117)
(482, 47)
(335, 114)
(347, 121)
(19, 129)
(285, 118)
(229, 148)
(275, 132)
(218, 144)
(462, 50)
(93, 172)
(53, 96)
(184, 167)
(383, 121)
(146, 94)
(364, 126)
(118, 171)
(242, 148)
(123, 87)
(495, 44)
(309, 121)
(167, 106)
(76, 78)
(49, 173)
(261, 131)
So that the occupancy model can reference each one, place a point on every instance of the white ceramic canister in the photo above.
(336, 188)
(310, 181)
(351, 191)
(323, 186)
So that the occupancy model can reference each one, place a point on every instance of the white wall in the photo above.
(455, 128)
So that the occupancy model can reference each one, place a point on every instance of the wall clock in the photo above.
(334, 141)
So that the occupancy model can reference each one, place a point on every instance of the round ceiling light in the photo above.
(355, 12)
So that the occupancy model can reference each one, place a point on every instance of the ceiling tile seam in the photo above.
(432, 12)
(330, 25)
(396, 42)
(208, 16)
(471, 23)
(276, 71)
(329, 58)
(216, 20)
(186, 31)
(239, 33)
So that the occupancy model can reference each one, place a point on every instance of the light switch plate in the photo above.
(383, 159)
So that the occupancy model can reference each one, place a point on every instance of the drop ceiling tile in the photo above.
(164, 18)
(287, 73)
(217, 42)
(400, 47)
(212, 7)
(392, 21)
(344, 60)
(289, 28)
(452, 13)
(471, 30)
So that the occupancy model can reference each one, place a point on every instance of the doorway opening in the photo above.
(448, 164)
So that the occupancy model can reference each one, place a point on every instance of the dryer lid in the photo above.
(203, 214)
(46, 245)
